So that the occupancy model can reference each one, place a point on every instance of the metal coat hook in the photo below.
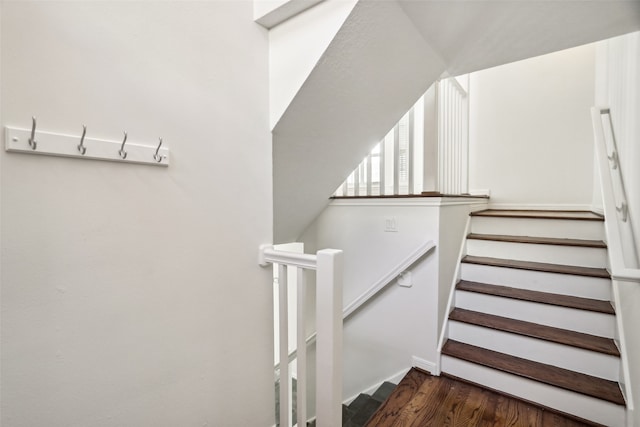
(36, 140)
(81, 148)
(32, 141)
(157, 157)
(121, 151)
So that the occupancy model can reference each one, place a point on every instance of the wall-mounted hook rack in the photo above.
(34, 141)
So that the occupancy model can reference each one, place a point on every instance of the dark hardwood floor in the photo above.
(425, 400)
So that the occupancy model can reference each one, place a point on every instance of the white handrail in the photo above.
(328, 266)
(269, 255)
(379, 285)
(618, 267)
(382, 283)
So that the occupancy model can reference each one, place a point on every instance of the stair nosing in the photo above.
(548, 374)
(579, 243)
(559, 300)
(538, 214)
(540, 332)
(538, 266)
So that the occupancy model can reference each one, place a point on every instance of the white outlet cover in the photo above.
(391, 224)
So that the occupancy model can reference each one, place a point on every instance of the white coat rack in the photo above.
(32, 141)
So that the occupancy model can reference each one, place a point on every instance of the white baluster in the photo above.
(301, 351)
(396, 159)
(356, 181)
(382, 167)
(285, 394)
(410, 154)
(368, 174)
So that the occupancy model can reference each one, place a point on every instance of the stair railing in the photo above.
(397, 166)
(416, 255)
(327, 264)
(622, 250)
(375, 288)
(391, 167)
(619, 230)
(453, 137)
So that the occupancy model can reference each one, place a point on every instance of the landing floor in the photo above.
(425, 400)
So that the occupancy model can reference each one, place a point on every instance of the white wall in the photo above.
(618, 87)
(131, 295)
(530, 132)
(262, 7)
(381, 338)
(345, 107)
(296, 45)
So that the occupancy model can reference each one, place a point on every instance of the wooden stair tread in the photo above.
(547, 374)
(540, 214)
(539, 240)
(537, 296)
(538, 266)
(534, 330)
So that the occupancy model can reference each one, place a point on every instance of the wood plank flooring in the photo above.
(422, 400)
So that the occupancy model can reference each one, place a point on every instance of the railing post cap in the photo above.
(330, 251)
(261, 258)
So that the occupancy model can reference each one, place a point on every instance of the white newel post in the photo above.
(329, 338)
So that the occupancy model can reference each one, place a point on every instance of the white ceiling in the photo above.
(476, 34)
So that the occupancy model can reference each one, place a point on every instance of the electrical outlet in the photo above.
(391, 224)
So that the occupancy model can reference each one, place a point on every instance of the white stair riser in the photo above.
(553, 254)
(565, 284)
(564, 356)
(588, 322)
(586, 407)
(566, 229)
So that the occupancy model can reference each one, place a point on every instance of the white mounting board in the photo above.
(52, 144)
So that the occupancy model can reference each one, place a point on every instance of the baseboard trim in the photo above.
(395, 378)
(480, 192)
(425, 365)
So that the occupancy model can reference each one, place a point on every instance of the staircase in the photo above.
(358, 412)
(532, 316)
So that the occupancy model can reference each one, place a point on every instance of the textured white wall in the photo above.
(382, 337)
(296, 45)
(618, 87)
(262, 7)
(131, 295)
(374, 70)
(530, 136)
